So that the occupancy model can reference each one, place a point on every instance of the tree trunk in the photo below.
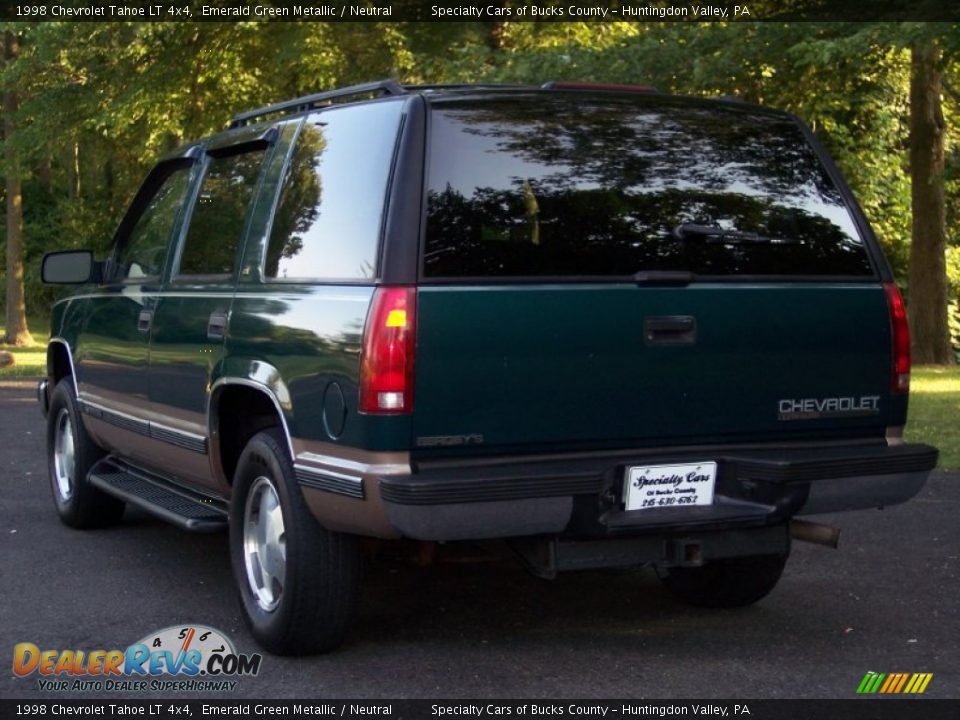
(73, 171)
(16, 331)
(496, 36)
(928, 288)
(45, 174)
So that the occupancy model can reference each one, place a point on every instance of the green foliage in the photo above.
(953, 277)
(100, 102)
(848, 81)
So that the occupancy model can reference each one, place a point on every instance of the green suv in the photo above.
(607, 326)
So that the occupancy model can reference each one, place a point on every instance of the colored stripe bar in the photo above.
(875, 685)
(865, 683)
(900, 683)
(894, 683)
(891, 681)
(914, 683)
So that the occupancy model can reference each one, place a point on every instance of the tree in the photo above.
(17, 332)
(929, 290)
(850, 81)
(99, 102)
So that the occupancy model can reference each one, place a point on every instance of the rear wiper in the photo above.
(717, 235)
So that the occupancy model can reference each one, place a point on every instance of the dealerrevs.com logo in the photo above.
(185, 658)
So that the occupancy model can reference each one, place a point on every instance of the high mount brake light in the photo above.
(900, 335)
(386, 362)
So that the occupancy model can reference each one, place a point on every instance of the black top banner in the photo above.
(490, 709)
(478, 10)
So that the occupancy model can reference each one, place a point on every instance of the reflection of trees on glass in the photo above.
(220, 214)
(548, 187)
(602, 233)
(299, 204)
(327, 223)
(145, 249)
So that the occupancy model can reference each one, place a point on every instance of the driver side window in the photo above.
(142, 252)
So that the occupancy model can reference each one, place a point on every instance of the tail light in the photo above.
(386, 362)
(900, 334)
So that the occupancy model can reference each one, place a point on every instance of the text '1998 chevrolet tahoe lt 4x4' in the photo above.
(608, 326)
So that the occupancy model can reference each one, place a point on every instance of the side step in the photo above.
(184, 508)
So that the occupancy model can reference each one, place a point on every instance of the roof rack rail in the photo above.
(603, 87)
(309, 102)
(469, 86)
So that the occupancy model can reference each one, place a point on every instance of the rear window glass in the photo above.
(540, 185)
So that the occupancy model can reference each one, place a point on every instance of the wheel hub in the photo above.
(264, 544)
(64, 455)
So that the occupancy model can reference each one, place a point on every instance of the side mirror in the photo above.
(69, 267)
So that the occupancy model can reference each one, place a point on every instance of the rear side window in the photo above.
(540, 185)
(220, 215)
(327, 223)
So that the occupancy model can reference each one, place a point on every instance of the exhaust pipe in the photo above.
(815, 533)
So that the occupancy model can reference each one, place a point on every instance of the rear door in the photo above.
(616, 271)
(191, 318)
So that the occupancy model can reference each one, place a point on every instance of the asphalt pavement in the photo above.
(474, 625)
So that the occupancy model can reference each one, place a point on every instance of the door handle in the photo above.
(144, 321)
(670, 330)
(217, 326)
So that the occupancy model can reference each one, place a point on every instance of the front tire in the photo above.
(70, 455)
(298, 582)
(728, 583)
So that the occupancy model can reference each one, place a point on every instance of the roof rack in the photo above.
(469, 86)
(309, 102)
(607, 87)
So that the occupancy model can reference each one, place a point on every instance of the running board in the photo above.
(184, 508)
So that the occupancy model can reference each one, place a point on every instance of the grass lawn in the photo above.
(31, 361)
(934, 415)
(934, 396)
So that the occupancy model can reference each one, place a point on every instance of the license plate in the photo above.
(661, 486)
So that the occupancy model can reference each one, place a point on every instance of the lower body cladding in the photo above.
(576, 504)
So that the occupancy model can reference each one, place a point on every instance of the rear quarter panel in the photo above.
(308, 338)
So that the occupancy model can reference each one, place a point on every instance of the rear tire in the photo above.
(729, 583)
(298, 582)
(70, 455)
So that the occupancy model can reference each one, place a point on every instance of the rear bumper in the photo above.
(583, 495)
